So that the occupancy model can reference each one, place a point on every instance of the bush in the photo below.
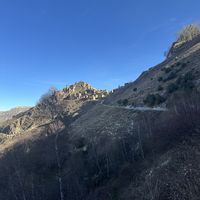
(183, 65)
(167, 70)
(178, 81)
(160, 79)
(188, 76)
(134, 89)
(171, 76)
(151, 99)
(185, 81)
(178, 70)
(172, 87)
(125, 101)
(187, 85)
(178, 63)
(159, 99)
(47, 95)
(172, 65)
(80, 142)
(176, 58)
(160, 88)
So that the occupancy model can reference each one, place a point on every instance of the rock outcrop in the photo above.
(189, 33)
(81, 90)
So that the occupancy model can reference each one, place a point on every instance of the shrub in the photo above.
(172, 87)
(188, 76)
(150, 99)
(178, 81)
(187, 85)
(183, 65)
(47, 95)
(186, 81)
(134, 89)
(159, 99)
(176, 58)
(160, 79)
(125, 101)
(171, 76)
(160, 88)
(178, 63)
(178, 70)
(80, 142)
(172, 65)
(167, 69)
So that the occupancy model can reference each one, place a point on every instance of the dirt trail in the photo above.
(135, 108)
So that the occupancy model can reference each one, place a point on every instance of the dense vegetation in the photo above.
(154, 99)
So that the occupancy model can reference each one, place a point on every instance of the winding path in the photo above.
(135, 108)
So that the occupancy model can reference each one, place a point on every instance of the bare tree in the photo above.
(187, 32)
(197, 23)
(56, 128)
(47, 95)
(52, 89)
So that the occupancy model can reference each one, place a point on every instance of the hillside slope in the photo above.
(81, 104)
(5, 115)
(147, 82)
(95, 145)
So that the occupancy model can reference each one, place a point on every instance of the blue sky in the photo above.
(105, 43)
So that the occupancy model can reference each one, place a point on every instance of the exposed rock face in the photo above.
(189, 33)
(82, 90)
(5, 115)
(68, 100)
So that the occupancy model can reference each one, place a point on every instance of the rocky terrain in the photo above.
(83, 106)
(123, 140)
(5, 115)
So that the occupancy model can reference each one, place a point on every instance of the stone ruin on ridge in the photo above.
(81, 90)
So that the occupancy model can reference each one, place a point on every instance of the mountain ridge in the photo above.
(138, 141)
(8, 114)
(76, 96)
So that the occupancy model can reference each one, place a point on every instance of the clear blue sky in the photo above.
(105, 43)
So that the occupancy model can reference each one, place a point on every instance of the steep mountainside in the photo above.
(184, 56)
(82, 105)
(139, 141)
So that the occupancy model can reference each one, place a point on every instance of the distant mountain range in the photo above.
(5, 115)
